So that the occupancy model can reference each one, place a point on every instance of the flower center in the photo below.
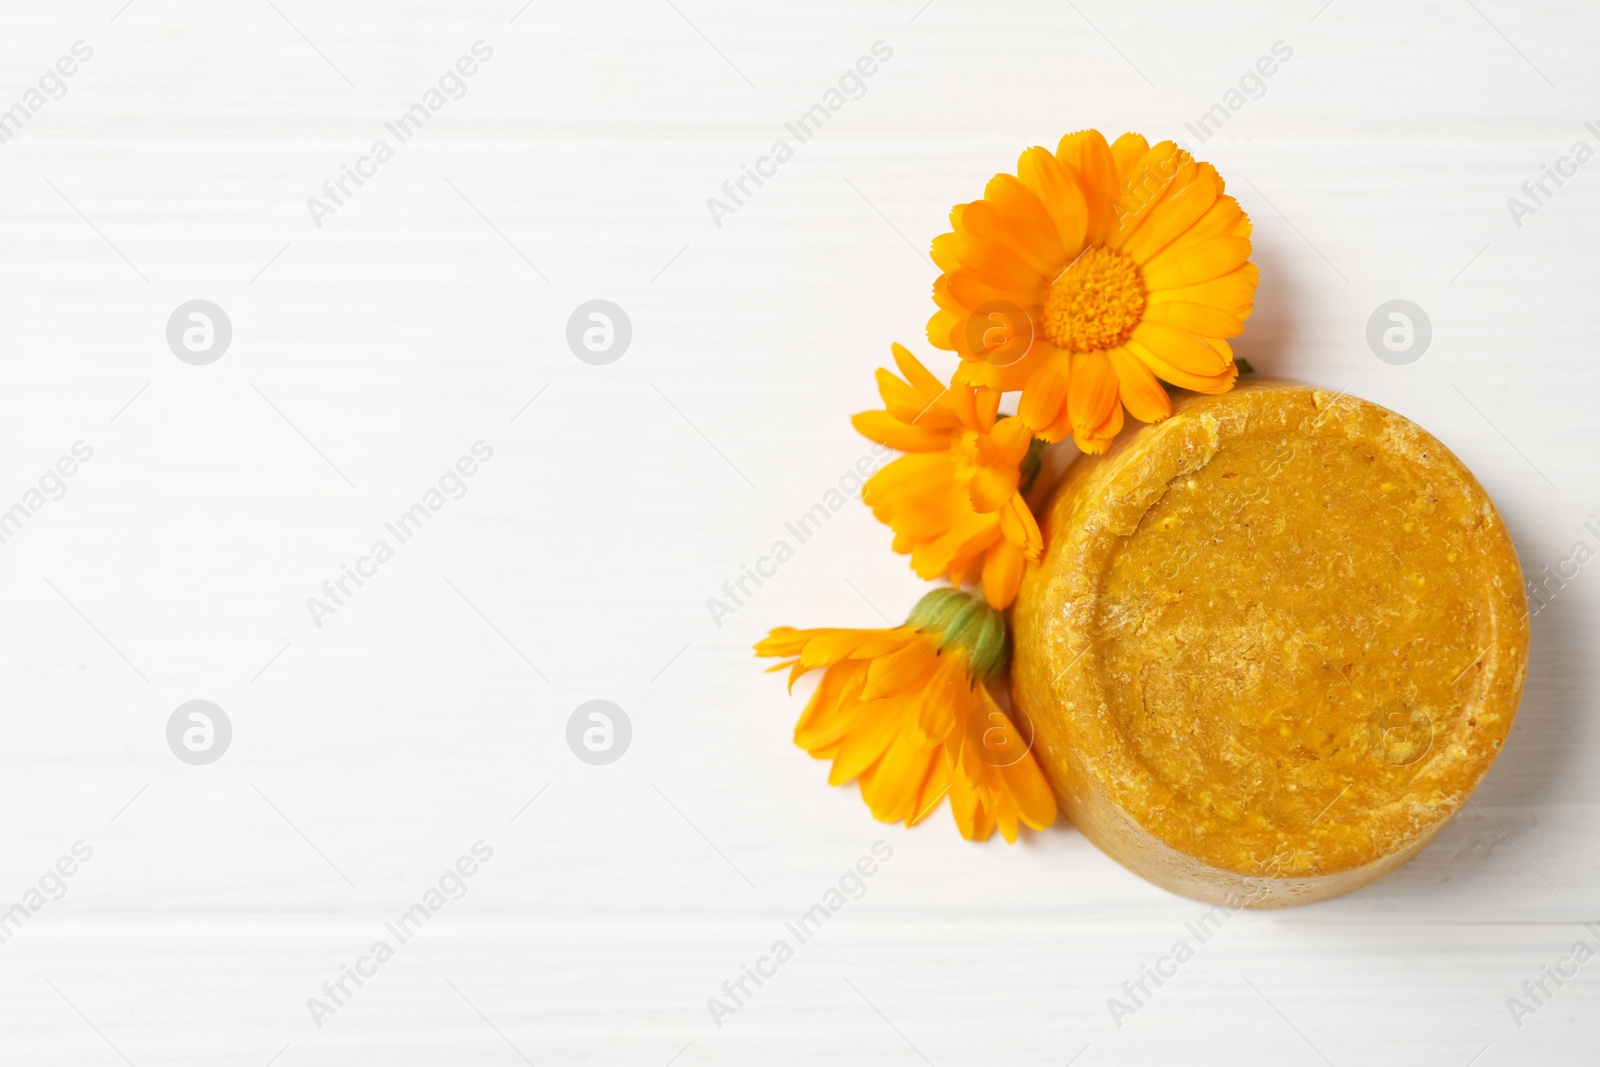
(1095, 303)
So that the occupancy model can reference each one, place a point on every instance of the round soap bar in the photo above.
(1274, 644)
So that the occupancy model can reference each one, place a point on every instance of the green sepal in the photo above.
(967, 622)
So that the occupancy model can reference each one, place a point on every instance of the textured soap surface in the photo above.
(1274, 644)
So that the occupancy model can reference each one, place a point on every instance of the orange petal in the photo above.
(1201, 319)
(1141, 392)
(828, 645)
(782, 641)
(1007, 443)
(922, 380)
(871, 733)
(971, 292)
(987, 246)
(966, 807)
(901, 671)
(934, 787)
(1233, 293)
(1126, 151)
(994, 780)
(900, 399)
(884, 428)
(1161, 171)
(1173, 217)
(1059, 430)
(1030, 791)
(1027, 221)
(1090, 159)
(1196, 263)
(892, 786)
(942, 329)
(1097, 440)
(1222, 219)
(944, 700)
(963, 540)
(963, 400)
(1019, 527)
(832, 709)
(985, 406)
(1179, 348)
(1046, 391)
(999, 332)
(991, 487)
(1007, 377)
(1200, 383)
(1092, 393)
(832, 644)
(1057, 190)
(1002, 574)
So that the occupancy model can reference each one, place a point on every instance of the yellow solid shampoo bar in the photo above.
(1274, 644)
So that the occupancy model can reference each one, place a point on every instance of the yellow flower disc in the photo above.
(1095, 303)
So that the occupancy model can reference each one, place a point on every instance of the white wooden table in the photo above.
(429, 711)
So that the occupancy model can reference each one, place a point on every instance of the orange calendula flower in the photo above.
(956, 499)
(1089, 277)
(906, 712)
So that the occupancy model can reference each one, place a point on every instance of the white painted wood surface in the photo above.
(368, 354)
